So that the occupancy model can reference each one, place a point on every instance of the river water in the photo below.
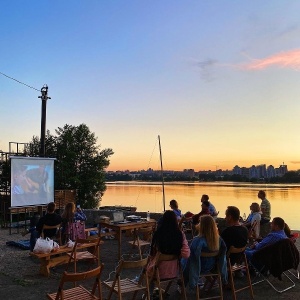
(285, 199)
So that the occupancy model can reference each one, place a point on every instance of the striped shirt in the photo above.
(265, 207)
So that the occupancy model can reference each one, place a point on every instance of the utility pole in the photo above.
(44, 97)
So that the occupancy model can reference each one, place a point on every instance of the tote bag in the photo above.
(76, 230)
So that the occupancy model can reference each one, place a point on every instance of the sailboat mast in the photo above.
(162, 175)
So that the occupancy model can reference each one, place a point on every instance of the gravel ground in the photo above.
(20, 279)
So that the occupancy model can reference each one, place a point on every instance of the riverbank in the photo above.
(20, 279)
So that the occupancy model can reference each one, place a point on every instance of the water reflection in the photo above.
(148, 196)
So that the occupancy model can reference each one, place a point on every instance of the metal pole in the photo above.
(44, 97)
(162, 175)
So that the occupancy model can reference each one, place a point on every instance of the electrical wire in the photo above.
(139, 191)
(19, 82)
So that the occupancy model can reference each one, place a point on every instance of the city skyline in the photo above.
(217, 80)
(284, 166)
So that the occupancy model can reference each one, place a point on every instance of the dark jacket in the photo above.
(278, 257)
(50, 219)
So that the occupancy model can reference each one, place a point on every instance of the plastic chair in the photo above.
(241, 266)
(142, 237)
(155, 277)
(123, 286)
(76, 255)
(211, 277)
(78, 292)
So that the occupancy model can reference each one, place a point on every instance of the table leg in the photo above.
(45, 268)
(120, 242)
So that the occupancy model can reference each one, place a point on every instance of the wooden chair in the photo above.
(242, 265)
(211, 276)
(58, 232)
(123, 286)
(75, 255)
(252, 231)
(186, 225)
(79, 292)
(142, 238)
(155, 277)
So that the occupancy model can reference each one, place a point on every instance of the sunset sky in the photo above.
(219, 81)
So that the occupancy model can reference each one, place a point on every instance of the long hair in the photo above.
(208, 229)
(68, 213)
(168, 237)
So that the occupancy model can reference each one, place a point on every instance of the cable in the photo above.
(19, 82)
(139, 191)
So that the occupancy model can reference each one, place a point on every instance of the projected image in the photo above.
(32, 181)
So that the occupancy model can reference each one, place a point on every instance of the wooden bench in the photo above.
(55, 258)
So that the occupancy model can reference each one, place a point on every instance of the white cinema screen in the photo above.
(32, 181)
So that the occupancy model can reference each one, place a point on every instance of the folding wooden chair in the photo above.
(57, 236)
(241, 266)
(252, 232)
(123, 286)
(91, 253)
(79, 292)
(155, 278)
(211, 277)
(142, 238)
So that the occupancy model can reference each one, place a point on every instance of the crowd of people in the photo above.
(210, 239)
(169, 236)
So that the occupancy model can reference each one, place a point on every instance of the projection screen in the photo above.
(32, 180)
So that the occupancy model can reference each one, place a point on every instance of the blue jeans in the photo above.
(34, 235)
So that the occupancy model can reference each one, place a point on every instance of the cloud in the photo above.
(206, 68)
(287, 60)
(296, 162)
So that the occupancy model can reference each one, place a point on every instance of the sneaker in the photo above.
(179, 289)
(201, 282)
(215, 285)
(239, 274)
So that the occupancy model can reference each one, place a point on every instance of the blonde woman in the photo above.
(208, 240)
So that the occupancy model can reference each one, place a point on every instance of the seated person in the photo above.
(204, 211)
(277, 233)
(212, 209)
(69, 215)
(50, 219)
(208, 240)
(168, 239)
(235, 234)
(254, 217)
(174, 207)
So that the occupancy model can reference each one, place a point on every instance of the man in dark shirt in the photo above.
(50, 219)
(235, 234)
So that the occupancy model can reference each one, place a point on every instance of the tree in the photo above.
(80, 163)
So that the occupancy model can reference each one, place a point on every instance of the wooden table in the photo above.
(58, 257)
(118, 228)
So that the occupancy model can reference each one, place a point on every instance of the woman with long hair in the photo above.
(169, 239)
(208, 240)
(69, 217)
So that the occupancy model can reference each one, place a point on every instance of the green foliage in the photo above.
(80, 163)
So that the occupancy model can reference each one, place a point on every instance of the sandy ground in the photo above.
(20, 278)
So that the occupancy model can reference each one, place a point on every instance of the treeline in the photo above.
(289, 177)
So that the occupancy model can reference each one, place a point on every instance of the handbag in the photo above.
(43, 245)
(76, 230)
